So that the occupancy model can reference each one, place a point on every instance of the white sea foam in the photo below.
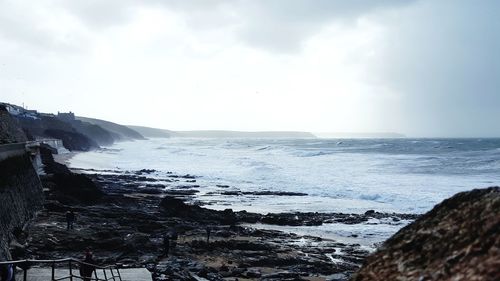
(338, 175)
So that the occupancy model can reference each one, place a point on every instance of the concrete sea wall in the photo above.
(21, 196)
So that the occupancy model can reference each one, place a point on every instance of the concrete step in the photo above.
(45, 274)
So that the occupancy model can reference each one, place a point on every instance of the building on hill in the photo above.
(68, 117)
(18, 111)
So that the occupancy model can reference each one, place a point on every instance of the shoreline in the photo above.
(128, 223)
(353, 233)
(64, 158)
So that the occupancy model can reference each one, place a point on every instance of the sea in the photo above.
(338, 175)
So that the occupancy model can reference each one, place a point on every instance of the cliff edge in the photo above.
(10, 130)
(459, 239)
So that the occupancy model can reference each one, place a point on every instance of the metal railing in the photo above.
(112, 270)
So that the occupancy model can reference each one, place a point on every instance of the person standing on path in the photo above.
(70, 219)
(208, 230)
(87, 268)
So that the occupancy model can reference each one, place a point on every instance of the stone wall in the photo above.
(21, 196)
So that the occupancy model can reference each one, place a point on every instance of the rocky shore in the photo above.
(459, 239)
(125, 216)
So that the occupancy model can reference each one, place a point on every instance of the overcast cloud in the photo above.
(422, 68)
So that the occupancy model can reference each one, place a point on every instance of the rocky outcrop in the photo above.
(94, 132)
(175, 207)
(73, 141)
(66, 186)
(48, 126)
(21, 197)
(459, 239)
(77, 133)
(127, 226)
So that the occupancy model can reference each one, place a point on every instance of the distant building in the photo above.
(20, 112)
(68, 117)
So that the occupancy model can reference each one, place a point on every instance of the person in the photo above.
(70, 219)
(7, 272)
(87, 268)
(166, 244)
(208, 230)
(174, 235)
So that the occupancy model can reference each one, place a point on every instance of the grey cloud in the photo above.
(283, 25)
(275, 25)
(21, 26)
(446, 68)
(102, 14)
(278, 25)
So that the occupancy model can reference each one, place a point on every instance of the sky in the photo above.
(423, 68)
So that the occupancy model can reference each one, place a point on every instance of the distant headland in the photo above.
(83, 133)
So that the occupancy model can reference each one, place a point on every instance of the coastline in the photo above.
(128, 223)
(196, 191)
(64, 158)
(134, 210)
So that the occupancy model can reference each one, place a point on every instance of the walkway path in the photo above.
(44, 274)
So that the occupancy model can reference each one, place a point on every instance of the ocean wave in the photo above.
(313, 153)
(263, 148)
(372, 197)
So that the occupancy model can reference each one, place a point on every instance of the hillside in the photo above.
(341, 135)
(240, 134)
(459, 239)
(49, 126)
(76, 135)
(152, 132)
(162, 133)
(95, 132)
(121, 132)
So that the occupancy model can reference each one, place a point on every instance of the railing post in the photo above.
(112, 273)
(70, 271)
(53, 271)
(119, 275)
(25, 264)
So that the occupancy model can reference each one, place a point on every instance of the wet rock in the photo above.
(369, 212)
(176, 207)
(70, 188)
(291, 219)
(459, 239)
(275, 193)
(145, 171)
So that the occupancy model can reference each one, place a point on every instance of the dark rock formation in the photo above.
(73, 141)
(94, 132)
(459, 239)
(10, 131)
(66, 186)
(127, 226)
(21, 197)
(75, 187)
(49, 126)
(172, 206)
